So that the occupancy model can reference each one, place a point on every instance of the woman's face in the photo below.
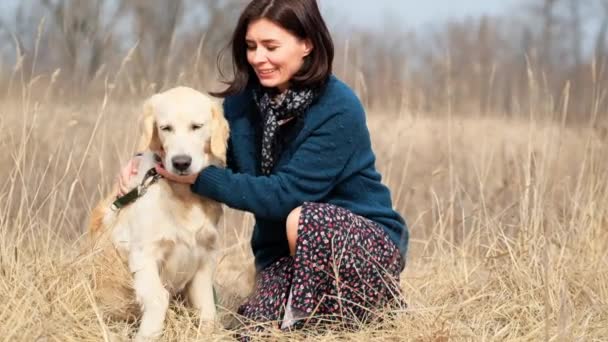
(274, 53)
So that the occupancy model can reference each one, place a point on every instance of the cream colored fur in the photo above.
(165, 243)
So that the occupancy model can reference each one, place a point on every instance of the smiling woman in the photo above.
(328, 244)
(274, 53)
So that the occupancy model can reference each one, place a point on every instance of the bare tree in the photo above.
(548, 28)
(79, 34)
(154, 23)
(600, 36)
(160, 44)
(575, 7)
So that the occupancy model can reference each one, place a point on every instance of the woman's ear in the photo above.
(308, 47)
(149, 139)
(219, 134)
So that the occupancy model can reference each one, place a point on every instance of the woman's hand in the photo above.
(189, 179)
(128, 171)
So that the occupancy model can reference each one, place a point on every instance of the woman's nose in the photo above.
(259, 56)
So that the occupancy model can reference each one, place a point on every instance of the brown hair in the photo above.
(300, 17)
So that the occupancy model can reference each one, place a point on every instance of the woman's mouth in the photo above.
(266, 72)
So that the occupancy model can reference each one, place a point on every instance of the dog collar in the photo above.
(150, 178)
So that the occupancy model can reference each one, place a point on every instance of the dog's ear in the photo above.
(149, 139)
(219, 133)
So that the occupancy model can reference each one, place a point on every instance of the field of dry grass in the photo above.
(508, 219)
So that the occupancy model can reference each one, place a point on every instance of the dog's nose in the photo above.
(181, 162)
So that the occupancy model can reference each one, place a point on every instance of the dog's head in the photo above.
(186, 128)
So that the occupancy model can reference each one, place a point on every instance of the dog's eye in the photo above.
(166, 128)
(196, 126)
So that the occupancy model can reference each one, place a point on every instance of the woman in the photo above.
(326, 241)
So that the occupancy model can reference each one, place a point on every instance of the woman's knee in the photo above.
(291, 226)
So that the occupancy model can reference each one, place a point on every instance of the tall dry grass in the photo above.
(508, 218)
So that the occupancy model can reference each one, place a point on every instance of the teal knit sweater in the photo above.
(330, 160)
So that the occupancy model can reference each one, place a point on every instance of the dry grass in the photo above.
(508, 217)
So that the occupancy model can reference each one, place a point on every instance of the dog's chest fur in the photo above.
(172, 226)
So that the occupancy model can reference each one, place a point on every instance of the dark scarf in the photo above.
(274, 108)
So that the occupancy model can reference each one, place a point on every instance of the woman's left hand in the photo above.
(189, 179)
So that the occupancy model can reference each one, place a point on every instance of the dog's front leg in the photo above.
(151, 294)
(200, 292)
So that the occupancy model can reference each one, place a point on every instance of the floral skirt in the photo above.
(344, 270)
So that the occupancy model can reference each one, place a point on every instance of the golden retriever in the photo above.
(164, 243)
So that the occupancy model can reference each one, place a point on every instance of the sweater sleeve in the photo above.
(310, 175)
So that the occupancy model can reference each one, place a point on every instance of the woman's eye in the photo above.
(250, 47)
(166, 128)
(272, 48)
(197, 126)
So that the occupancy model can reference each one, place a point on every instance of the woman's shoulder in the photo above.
(337, 90)
(337, 98)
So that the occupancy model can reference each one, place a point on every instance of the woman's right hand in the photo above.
(126, 173)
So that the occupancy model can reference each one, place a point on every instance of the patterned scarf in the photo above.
(275, 108)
